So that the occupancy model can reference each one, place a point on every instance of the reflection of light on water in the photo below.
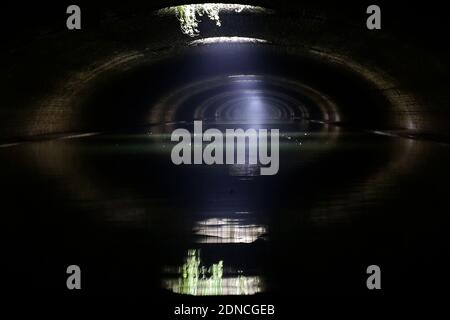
(213, 40)
(240, 285)
(228, 231)
(244, 170)
(199, 280)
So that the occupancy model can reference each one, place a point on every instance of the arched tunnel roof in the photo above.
(53, 72)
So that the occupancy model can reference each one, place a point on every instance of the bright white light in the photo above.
(212, 40)
(228, 231)
(243, 76)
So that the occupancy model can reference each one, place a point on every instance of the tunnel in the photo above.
(86, 135)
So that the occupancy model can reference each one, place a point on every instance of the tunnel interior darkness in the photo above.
(85, 145)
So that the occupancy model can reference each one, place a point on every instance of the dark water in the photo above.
(137, 224)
